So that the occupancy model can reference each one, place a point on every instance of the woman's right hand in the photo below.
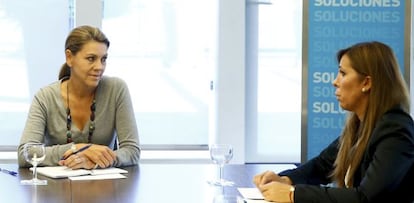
(270, 176)
(264, 178)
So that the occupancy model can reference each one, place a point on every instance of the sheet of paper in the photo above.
(98, 177)
(107, 171)
(251, 193)
(60, 171)
(256, 201)
(64, 172)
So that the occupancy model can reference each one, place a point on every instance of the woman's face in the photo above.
(349, 88)
(88, 64)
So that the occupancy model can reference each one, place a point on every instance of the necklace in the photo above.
(69, 118)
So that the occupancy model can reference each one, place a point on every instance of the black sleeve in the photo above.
(315, 171)
(385, 173)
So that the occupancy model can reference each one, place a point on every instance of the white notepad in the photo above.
(65, 172)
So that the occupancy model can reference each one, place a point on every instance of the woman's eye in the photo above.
(91, 59)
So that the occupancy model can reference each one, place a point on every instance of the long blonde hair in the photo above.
(388, 89)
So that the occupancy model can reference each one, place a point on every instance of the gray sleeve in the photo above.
(35, 130)
(129, 151)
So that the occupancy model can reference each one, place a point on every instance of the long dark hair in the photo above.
(388, 89)
(78, 37)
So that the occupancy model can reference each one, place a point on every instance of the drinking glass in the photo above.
(34, 153)
(221, 154)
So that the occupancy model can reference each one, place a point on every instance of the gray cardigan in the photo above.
(114, 120)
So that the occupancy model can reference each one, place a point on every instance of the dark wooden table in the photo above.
(146, 183)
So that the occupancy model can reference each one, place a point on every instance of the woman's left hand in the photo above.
(100, 155)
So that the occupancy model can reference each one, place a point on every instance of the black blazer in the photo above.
(386, 172)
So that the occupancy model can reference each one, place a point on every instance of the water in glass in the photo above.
(34, 153)
(221, 154)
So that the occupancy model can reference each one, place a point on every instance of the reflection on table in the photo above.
(146, 183)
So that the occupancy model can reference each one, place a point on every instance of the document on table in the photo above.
(98, 177)
(65, 172)
(251, 195)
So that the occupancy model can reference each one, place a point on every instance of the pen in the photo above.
(13, 173)
(80, 150)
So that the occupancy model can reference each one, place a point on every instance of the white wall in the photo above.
(230, 78)
(88, 13)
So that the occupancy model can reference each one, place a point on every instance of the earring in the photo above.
(364, 90)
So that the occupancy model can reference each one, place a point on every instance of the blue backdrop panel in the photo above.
(333, 25)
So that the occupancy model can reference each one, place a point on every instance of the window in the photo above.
(168, 52)
(31, 53)
(278, 80)
(165, 50)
